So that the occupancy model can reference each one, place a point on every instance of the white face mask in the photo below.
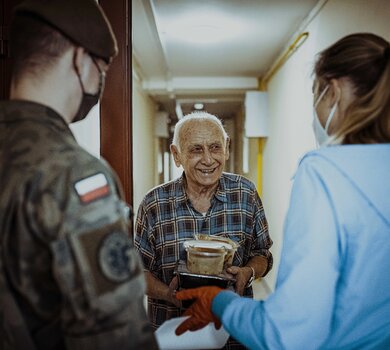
(320, 133)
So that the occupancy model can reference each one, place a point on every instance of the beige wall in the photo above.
(290, 102)
(144, 168)
(253, 150)
(87, 132)
(238, 142)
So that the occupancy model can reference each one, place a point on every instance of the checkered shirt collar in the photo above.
(181, 195)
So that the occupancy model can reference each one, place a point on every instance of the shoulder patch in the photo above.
(92, 188)
(114, 257)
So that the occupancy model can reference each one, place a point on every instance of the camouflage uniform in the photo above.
(65, 251)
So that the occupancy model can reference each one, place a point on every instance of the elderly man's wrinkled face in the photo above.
(203, 152)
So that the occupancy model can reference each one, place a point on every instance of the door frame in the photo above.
(116, 104)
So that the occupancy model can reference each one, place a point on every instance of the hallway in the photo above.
(171, 74)
(195, 174)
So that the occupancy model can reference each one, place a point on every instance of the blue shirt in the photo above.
(333, 287)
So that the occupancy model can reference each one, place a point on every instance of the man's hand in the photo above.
(200, 311)
(171, 297)
(158, 290)
(242, 275)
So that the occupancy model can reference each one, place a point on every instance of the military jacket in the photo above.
(66, 254)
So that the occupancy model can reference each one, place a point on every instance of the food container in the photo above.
(230, 246)
(188, 279)
(205, 257)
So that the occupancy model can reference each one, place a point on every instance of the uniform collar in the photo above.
(20, 110)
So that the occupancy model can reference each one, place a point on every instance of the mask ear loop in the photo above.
(321, 96)
(331, 114)
(102, 77)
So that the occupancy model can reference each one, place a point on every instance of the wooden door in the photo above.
(116, 105)
(6, 7)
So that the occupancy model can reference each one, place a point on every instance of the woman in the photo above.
(333, 288)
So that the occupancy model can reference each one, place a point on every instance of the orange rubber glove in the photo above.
(200, 311)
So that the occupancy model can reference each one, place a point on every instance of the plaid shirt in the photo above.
(166, 219)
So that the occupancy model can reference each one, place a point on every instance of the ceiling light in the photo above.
(202, 28)
(198, 106)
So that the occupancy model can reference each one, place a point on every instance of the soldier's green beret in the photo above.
(82, 21)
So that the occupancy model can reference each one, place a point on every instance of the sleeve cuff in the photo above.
(221, 301)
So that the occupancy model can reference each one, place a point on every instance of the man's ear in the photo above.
(227, 147)
(176, 155)
(79, 58)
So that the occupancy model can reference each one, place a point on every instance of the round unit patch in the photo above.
(114, 257)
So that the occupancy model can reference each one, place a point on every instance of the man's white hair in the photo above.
(201, 116)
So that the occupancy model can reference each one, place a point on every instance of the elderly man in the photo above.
(203, 200)
(70, 277)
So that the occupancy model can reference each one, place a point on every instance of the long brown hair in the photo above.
(364, 59)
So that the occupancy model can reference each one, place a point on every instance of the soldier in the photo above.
(69, 275)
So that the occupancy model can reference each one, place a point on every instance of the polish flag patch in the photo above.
(92, 188)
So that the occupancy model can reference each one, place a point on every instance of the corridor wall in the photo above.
(87, 131)
(291, 100)
(144, 168)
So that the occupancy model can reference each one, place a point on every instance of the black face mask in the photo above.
(89, 100)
